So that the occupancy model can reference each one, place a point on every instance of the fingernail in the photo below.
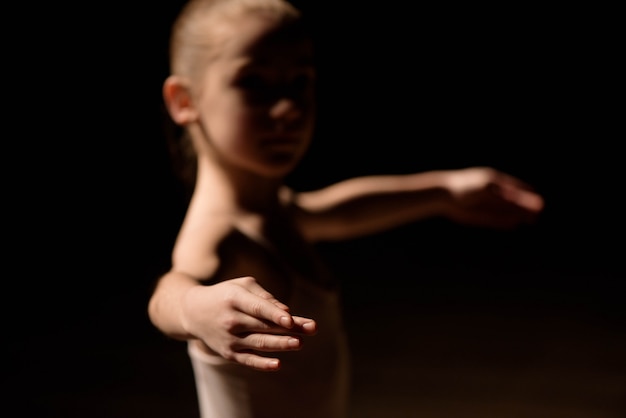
(293, 342)
(273, 364)
(285, 322)
(309, 326)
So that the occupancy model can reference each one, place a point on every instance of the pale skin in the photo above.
(250, 115)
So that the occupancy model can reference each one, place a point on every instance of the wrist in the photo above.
(185, 311)
(444, 186)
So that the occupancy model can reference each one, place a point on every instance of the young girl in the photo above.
(259, 311)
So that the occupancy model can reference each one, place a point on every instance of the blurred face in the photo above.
(256, 98)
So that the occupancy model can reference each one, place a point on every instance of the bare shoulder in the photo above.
(214, 247)
(197, 248)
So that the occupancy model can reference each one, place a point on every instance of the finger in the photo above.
(525, 199)
(504, 179)
(246, 324)
(263, 309)
(279, 304)
(254, 287)
(305, 326)
(268, 343)
(530, 201)
(254, 361)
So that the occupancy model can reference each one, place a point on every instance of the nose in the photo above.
(286, 109)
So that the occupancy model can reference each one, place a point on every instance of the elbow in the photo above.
(153, 311)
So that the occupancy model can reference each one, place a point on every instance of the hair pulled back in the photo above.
(196, 33)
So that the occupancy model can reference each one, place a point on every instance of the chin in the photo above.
(281, 164)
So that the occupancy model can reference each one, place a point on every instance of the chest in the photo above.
(275, 254)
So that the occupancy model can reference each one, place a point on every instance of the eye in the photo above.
(251, 82)
(303, 80)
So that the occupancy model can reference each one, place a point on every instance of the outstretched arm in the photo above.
(478, 196)
(237, 318)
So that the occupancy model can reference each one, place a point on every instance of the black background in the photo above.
(93, 205)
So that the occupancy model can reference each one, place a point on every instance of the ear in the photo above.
(178, 100)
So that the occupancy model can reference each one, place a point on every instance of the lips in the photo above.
(287, 142)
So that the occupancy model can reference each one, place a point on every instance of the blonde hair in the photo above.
(195, 36)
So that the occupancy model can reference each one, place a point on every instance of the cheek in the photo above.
(236, 130)
(226, 118)
(241, 114)
(248, 118)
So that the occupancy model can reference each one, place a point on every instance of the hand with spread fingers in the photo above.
(240, 321)
(486, 197)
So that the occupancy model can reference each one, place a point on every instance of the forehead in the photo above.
(265, 40)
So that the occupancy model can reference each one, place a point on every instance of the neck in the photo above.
(235, 191)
